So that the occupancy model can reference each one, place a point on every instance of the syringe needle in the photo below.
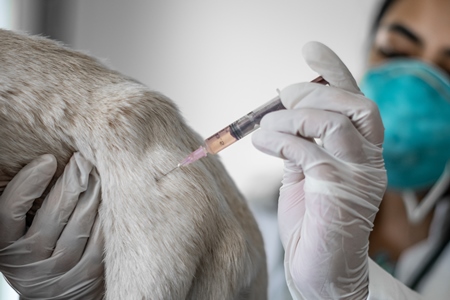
(194, 156)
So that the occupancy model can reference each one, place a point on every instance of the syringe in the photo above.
(235, 131)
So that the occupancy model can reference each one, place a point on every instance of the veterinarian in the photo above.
(60, 255)
(331, 192)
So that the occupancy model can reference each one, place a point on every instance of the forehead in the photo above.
(430, 19)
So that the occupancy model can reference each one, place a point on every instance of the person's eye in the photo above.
(391, 53)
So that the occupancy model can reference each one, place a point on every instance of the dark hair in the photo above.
(384, 7)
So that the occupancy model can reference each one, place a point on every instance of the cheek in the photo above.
(375, 57)
(445, 65)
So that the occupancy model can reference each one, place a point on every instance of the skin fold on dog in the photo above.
(189, 235)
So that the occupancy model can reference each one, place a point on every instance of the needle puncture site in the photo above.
(165, 174)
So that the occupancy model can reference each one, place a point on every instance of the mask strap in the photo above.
(416, 212)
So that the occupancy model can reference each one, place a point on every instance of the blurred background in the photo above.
(217, 60)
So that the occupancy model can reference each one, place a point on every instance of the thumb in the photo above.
(325, 62)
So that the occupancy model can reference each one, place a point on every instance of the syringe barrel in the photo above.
(250, 122)
(245, 125)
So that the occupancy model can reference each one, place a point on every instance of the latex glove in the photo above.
(60, 255)
(330, 193)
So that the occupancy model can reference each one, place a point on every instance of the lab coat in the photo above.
(434, 285)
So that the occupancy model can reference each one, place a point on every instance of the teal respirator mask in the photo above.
(414, 102)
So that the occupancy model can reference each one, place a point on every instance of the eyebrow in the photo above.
(398, 28)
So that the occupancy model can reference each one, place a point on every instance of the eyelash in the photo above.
(391, 53)
(388, 53)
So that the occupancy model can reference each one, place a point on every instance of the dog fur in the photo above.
(187, 236)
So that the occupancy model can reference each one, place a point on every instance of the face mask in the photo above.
(414, 102)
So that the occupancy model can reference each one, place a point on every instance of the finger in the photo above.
(291, 204)
(363, 112)
(90, 269)
(325, 62)
(287, 146)
(75, 235)
(52, 217)
(18, 197)
(292, 173)
(84, 280)
(313, 159)
(94, 252)
(337, 133)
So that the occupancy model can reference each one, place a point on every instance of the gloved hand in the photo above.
(331, 192)
(60, 256)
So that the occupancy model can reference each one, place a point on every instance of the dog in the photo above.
(189, 235)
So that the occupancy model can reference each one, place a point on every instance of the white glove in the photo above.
(60, 255)
(330, 193)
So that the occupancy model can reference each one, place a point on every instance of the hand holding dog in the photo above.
(60, 255)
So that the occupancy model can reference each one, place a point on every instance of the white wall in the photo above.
(5, 14)
(220, 59)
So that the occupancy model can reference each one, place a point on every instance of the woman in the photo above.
(414, 155)
(331, 193)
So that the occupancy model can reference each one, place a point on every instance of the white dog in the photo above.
(199, 238)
